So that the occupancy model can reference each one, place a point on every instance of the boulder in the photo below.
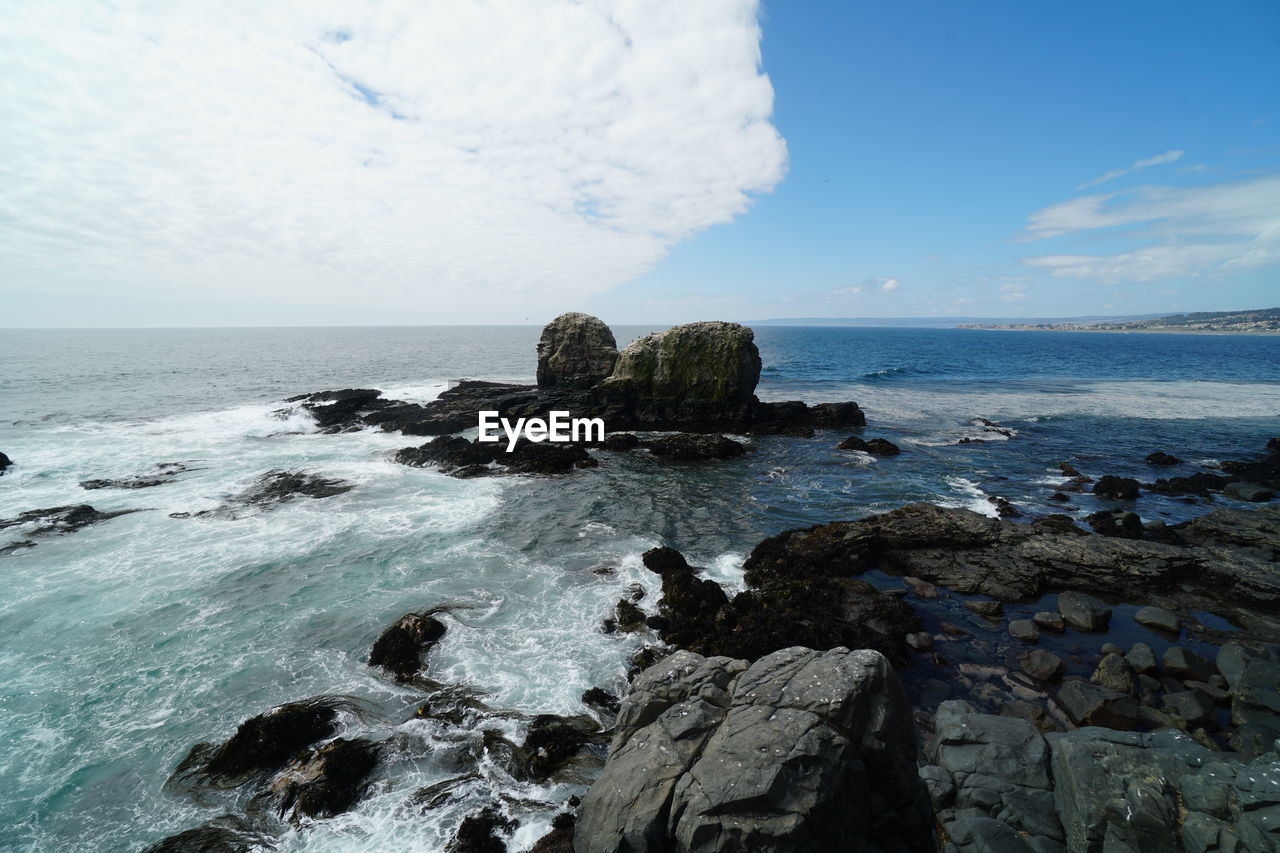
(1083, 612)
(1157, 618)
(1047, 620)
(400, 649)
(483, 831)
(1141, 659)
(802, 751)
(1248, 492)
(328, 782)
(560, 838)
(575, 351)
(1043, 665)
(711, 362)
(1116, 522)
(1116, 488)
(1025, 630)
(1162, 459)
(1113, 673)
(5, 462)
(1089, 704)
(1191, 705)
(224, 834)
(876, 446)
(1184, 664)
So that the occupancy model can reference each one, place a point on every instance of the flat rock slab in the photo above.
(1158, 618)
(1083, 611)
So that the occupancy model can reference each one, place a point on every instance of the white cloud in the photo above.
(1190, 231)
(1158, 160)
(847, 291)
(890, 285)
(450, 158)
(1013, 292)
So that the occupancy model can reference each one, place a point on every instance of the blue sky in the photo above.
(942, 127)
(209, 164)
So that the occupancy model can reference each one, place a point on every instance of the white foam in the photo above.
(970, 497)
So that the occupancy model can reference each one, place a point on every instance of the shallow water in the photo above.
(133, 639)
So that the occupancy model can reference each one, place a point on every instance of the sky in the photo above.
(648, 161)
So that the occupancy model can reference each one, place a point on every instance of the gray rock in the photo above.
(1089, 704)
(922, 588)
(1158, 618)
(1025, 630)
(575, 351)
(1048, 621)
(711, 362)
(803, 751)
(1255, 697)
(942, 791)
(1250, 492)
(1043, 665)
(1187, 665)
(1142, 659)
(985, 609)
(1083, 611)
(1191, 705)
(1212, 692)
(985, 835)
(1111, 649)
(921, 641)
(1231, 662)
(1113, 673)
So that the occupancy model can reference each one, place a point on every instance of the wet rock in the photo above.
(985, 609)
(1231, 661)
(5, 464)
(224, 834)
(1113, 673)
(689, 603)
(1255, 698)
(261, 744)
(1264, 472)
(779, 757)
(1116, 488)
(1162, 459)
(686, 447)
(920, 641)
(344, 410)
(627, 617)
(546, 458)
(61, 519)
(601, 700)
(621, 441)
(921, 588)
(560, 838)
(401, 648)
(551, 744)
(448, 453)
(1117, 523)
(1059, 523)
(1157, 618)
(1141, 659)
(1200, 483)
(1184, 664)
(1048, 621)
(165, 473)
(1025, 630)
(837, 415)
(1083, 612)
(575, 351)
(1059, 497)
(272, 489)
(1068, 470)
(1191, 705)
(483, 832)
(1249, 492)
(1111, 649)
(1089, 704)
(329, 781)
(876, 446)
(1043, 665)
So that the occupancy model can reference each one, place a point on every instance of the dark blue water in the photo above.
(129, 641)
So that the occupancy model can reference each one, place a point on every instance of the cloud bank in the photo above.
(450, 160)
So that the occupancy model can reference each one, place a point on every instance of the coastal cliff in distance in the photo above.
(1257, 321)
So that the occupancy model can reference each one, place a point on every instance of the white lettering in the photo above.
(559, 428)
(488, 421)
(536, 429)
(587, 425)
(512, 434)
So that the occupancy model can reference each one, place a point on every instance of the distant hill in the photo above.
(940, 322)
(1258, 320)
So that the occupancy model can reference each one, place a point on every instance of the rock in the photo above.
(1183, 664)
(689, 604)
(1111, 649)
(1141, 659)
(985, 609)
(1092, 705)
(1116, 488)
(533, 457)
(942, 792)
(1113, 673)
(1249, 492)
(689, 447)
(483, 831)
(621, 441)
(272, 489)
(1231, 661)
(1068, 470)
(1162, 459)
(551, 744)
(400, 649)
(262, 744)
(166, 472)
(1157, 618)
(601, 700)
(837, 415)
(449, 453)
(329, 781)
(1117, 523)
(972, 832)
(60, 519)
(5, 463)
(1264, 472)
(1004, 508)
(920, 641)
(560, 838)
(1200, 483)
(876, 446)
(921, 588)
(1048, 621)
(802, 751)
(1191, 705)
(1255, 696)
(1058, 523)
(711, 362)
(1025, 630)
(1059, 497)
(1043, 665)
(628, 617)
(1083, 612)
(224, 834)
(575, 351)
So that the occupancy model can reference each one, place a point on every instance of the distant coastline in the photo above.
(1260, 321)
(1154, 330)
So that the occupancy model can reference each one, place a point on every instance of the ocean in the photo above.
(129, 641)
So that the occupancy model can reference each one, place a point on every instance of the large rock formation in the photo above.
(575, 351)
(707, 362)
(800, 751)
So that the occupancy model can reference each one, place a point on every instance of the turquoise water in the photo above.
(131, 640)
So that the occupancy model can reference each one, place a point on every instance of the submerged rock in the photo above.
(483, 832)
(875, 446)
(1162, 459)
(61, 519)
(271, 489)
(575, 351)
(166, 474)
(802, 751)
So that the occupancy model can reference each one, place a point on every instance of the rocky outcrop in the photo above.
(695, 363)
(575, 351)
(223, 834)
(400, 649)
(876, 446)
(56, 519)
(326, 782)
(800, 751)
(165, 473)
(689, 447)
(271, 489)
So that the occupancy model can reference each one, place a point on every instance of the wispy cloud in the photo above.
(441, 158)
(1138, 165)
(1188, 231)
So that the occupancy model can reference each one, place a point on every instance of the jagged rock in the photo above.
(5, 463)
(601, 700)
(621, 441)
(1116, 488)
(1255, 704)
(449, 453)
(803, 751)
(1184, 664)
(551, 744)
(1158, 618)
(483, 832)
(1231, 661)
(1200, 483)
(575, 351)
(560, 838)
(328, 782)
(1113, 673)
(1089, 704)
(689, 447)
(1043, 665)
(1264, 472)
(921, 588)
(59, 519)
(400, 649)
(271, 489)
(1116, 522)
(532, 457)
(1248, 492)
(1162, 459)
(1083, 612)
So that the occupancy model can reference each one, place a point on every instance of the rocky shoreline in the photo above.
(920, 679)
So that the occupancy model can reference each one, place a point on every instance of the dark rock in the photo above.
(1141, 659)
(400, 649)
(837, 415)
(1116, 488)
(1255, 695)
(329, 781)
(1201, 483)
(5, 463)
(629, 617)
(341, 411)
(621, 441)
(483, 832)
(802, 751)
(1184, 664)
(876, 446)
(1117, 523)
(1068, 470)
(1004, 508)
(1111, 649)
(560, 838)
(223, 834)
(690, 447)
(601, 700)
(985, 609)
(1231, 661)
(449, 452)
(1264, 472)
(1162, 459)
(1083, 612)
(575, 351)
(1043, 665)
(1113, 673)
(166, 473)
(546, 458)
(1048, 621)
(551, 743)
(1060, 498)
(1249, 492)
(921, 588)
(1157, 618)
(1025, 630)
(271, 489)
(1092, 705)
(61, 519)
(1191, 705)
(920, 641)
